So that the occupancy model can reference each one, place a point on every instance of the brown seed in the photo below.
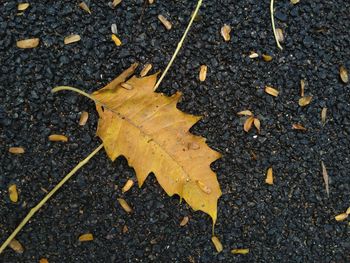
(217, 244)
(302, 87)
(297, 126)
(146, 69)
(58, 138)
(323, 116)
(206, 189)
(325, 177)
(116, 2)
(248, 124)
(257, 124)
(184, 221)
(85, 7)
(245, 113)
(253, 55)
(279, 34)
(203, 72)
(16, 150)
(225, 32)
(71, 39)
(124, 205)
(166, 23)
(43, 260)
(125, 229)
(86, 237)
(150, 1)
(241, 251)
(116, 40)
(13, 194)
(28, 43)
(127, 186)
(269, 176)
(271, 91)
(266, 58)
(341, 217)
(16, 246)
(343, 74)
(83, 118)
(305, 101)
(126, 86)
(22, 6)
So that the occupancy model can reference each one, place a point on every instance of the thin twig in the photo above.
(179, 45)
(273, 25)
(47, 197)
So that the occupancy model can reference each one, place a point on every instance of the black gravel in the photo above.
(293, 220)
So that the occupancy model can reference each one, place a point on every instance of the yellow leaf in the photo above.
(241, 251)
(217, 243)
(116, 40)
(341, 217)
(248, 124)
(269, 176)
(16, 246)
(13, 193)
(305, 101)
(86, 237)
(28, 43)
(147, 128)
(271, 91)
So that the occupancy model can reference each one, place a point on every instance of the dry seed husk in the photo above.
(323, 116)
(266, 58)
(184, 221)
(245, 113)
(203, 73)
(302, 87)
(83, 118)
(257, 124)
(28, 43)
(150, 1)
(166, 23)
(116, 2)
(86, 237)
(304, 101)
(125, 229)
(13, 193)
(126, 86)
(341, 217)
(16, 150)
(269, 176)
(271, 91)
(343, 74)
(22, 6)
(16, 246)
(43, 260)
(279, 33)
(114, 29)
(248, 124)
(116, 40)
(294, 1)
(325, 177)
(241, 251)
(253, 55)
(146, 69)
(225, 32)
(124, 205)
(205, 189)
(71, 39)
(217, 243)
(85, 7)
(297, 126)
(57, 138)
(127, 186)
(348, 211)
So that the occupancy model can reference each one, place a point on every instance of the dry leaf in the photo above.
(116, 2)
(302, 87)
(279, 34)
(294, 1)
(83, 118)
(271, 91)
(85, 7)
(71, 39)
(116, 40)
(257, 124)
(348, 211)
(145, 70)
(245, 113)
(325, 177)
(165, 22)
(203, 73)
(153, 135)
(297, 126)
(253, 55)
(269, 176)
(127, 186)
(16, 150)
(225, 32)
(184, 221)
(343, 74)
(58, 138)
(241, 251)
(22, 6)
(13, 194)
(217, 244)
(124, 205)
(323, 116)
(248, 124)
(305, 101)
(86, 237)
(43, 260)
(341, 217)
(28, 43)
(16, 246)
(266, 58)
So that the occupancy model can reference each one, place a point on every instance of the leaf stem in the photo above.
(47, 197)
(179, 45)
(273, 25)
(60, 88)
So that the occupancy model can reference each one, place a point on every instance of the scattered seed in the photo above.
(305, 101)
(225, 32)
(279, 34)
(217, 244)
(127, 186)
(297, 126)
(43, 260)
(343, 74)
(324, 115)
(86, 237)
(245, 113)
(83, 118)
(28, 43)
(203, 72)
(16, 246)
(271, 91)
(248, 124)
(58, 138)
(253, 55)
(184, 221)
(150, 1)
(16, 150)
(241, 251)
(146, 69)
(22, 6)
(193, 146)
(165, 22)
(266, 58)
(124, 205)
(71, 39)
(302, 87)
(114, 29)
(269, 176)
(257, 124)
(341, 217)
(126, 86)
(348, 211)
(115, 3)
(206, 189)
(125, 229)
(116, 40)
(325, 177)
(85, 7)
(13, 194)
(294, 1)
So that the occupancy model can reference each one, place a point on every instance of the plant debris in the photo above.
(43, 260)
(257, 124)
(304, 101)
(16, 246)
(294, 1)
(124, 205)
(248, 124)
(323, 116)
(85, 7)
(127, 186)
(297, 126)
(16, 150)
(343, 73)
(166, 23)
(217, 244)
(225, 32)
(145, 70)
(83, 118)
(71, 39)
(115, 3)
(253, 55)
(241, 251)
(341, 217)
(273, 24)
(58, 138)
(125, 229)
(13, 194)
(22, 6)
(266, 58)
(279, 34)
(203, 73)
(28, 43)
(302, 88)
(184, 221)
(271, 91)
(116, 40)
(269, 176)
(114, 29)
(245, 113)
(86, 237)
(325, 177)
